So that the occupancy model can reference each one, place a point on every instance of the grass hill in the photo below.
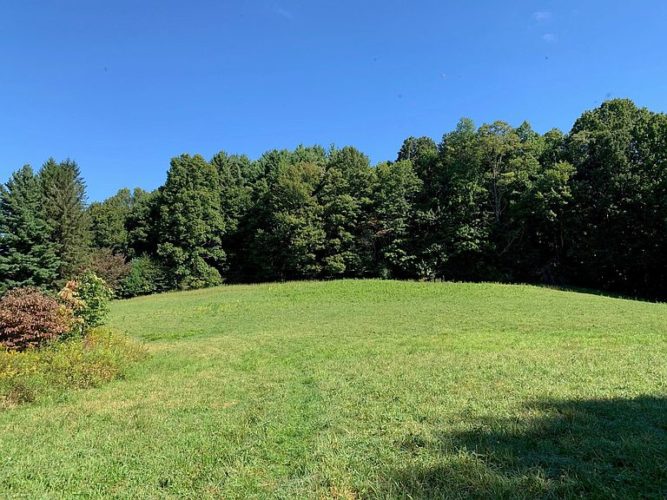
(362, 389)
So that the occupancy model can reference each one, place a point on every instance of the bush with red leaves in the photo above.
(110, 267)
(28, 318)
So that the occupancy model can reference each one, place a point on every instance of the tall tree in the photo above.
(451, 227)
(64, 198)
(237, 176)
(346, 199)
(108, 220)
(541, 211)
(288, 235)
(191, 224)
(141, 224)
(422, 152)
(528, 239)
(27, 256)
(617, 227)
(393, 210)
(493, 203)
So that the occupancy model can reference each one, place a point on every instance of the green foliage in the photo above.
(142, 224)
(27, 256)
(88, 297)
(29, 318)
(236, 175)
(95, 295)
(453, 219)
(494, 202)
(108, 220)
(191, 223)
(616, 229)
(63, 199)
(146, 276)
(394, 196)
(541, 210)
(422, 152)
(345, 198)
(289, 234)
(77, 363)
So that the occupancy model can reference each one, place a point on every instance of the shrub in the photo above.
(202, 276)
(29, 318)
(96, 296)
(70, 299)
(100, 356)
(89, 298)
(110, 267)
(146, 276)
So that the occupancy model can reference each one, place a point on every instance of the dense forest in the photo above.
(494, 203)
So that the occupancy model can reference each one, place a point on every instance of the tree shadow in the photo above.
(652, 298)
(614, 448)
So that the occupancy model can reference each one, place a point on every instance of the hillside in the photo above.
(362, 389)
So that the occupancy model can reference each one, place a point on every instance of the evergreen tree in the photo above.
(64, 198)
(27, 257)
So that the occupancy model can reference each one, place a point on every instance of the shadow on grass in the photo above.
(655, 299)
(614, 448)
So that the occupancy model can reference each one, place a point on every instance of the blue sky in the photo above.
(122, 86)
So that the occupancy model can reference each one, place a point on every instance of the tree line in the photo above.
(585, 209)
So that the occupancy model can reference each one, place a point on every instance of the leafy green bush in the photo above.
(89, 298)
(28, 318)
(96, 295)
(146, 276)
(79, 362)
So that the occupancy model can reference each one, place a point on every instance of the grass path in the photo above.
(362, 389)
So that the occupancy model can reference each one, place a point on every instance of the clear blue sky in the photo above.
(122, 86)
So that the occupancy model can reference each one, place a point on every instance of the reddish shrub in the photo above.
(29, 318)
(110, 267)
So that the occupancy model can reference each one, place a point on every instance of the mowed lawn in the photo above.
(357, 389)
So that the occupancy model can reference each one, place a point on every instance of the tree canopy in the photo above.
(494, 202)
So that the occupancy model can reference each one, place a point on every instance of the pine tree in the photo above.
(64, 196)
(27, 257)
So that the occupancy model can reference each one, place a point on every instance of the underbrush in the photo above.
(76, 363)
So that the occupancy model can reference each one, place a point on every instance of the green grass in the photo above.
(362, 389)
(78, 362)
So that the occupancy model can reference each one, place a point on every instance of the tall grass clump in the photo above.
(79, 362)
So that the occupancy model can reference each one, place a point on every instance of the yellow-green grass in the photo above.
(362, 389)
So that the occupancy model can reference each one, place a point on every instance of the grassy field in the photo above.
(356, 389)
